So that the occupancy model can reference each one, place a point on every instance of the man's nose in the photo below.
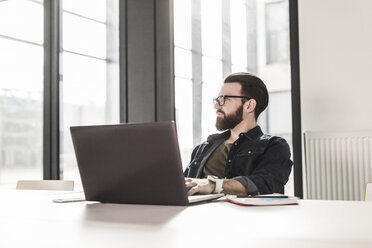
(217, 106)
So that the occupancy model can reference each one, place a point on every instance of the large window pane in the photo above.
(84, 36)
(212, 70)
(21, 98)
(22, 19)
(211, 28)
(84, 97)
(182, 20)
(280, 110)
(21, 66)
(184, 117)
(90, 86)
(277, 32)
(238, 33)
(258, 43)
(84, 84)
(94, 9)
(182, 61)
(210, 90)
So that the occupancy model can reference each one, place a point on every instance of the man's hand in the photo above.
(201, 186)
(205, 186)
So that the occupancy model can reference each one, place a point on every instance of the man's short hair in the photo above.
(252, 87)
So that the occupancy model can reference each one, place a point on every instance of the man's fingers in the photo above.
(189, 185)
(193, 190)
(187, 180)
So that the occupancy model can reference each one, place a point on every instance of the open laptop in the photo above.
(132, 163)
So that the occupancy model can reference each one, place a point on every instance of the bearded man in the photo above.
(242, 160)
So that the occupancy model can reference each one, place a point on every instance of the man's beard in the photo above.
(229, 121)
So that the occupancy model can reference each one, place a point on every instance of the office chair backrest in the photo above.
(46, 184)
(368, 192)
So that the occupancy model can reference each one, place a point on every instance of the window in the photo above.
(277, 32)
(21, 90)
(89, 80)
(221, 37)
(90, 85)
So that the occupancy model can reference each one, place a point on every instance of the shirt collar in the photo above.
(252, 134)
(224, 135)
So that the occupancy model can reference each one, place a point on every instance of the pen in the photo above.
(264, 196)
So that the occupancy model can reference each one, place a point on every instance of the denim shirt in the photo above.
(260, 162)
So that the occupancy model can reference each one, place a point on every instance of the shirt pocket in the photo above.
(244, 162)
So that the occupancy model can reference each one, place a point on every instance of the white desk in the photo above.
(31, 219)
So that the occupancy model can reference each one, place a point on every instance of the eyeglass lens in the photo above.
(220, 100)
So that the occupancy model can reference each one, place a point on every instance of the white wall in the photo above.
(335, 39)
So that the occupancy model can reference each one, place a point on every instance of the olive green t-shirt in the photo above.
(217, 161)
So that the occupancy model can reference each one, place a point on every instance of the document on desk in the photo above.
(70, 197)
(262, 200)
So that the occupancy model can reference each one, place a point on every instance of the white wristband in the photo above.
(218, 189)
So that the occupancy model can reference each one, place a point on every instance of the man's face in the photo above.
(231, 113)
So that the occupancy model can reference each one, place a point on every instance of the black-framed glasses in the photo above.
(221, 99)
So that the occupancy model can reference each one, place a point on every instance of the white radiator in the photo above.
(338, 165)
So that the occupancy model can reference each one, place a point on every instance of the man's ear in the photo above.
(250, 105)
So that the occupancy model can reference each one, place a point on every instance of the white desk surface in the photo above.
(31, 219)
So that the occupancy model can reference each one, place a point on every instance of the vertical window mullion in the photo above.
(123, 64)
(52, 49)
(296, 98)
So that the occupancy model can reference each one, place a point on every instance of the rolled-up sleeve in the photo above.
(248, 185)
